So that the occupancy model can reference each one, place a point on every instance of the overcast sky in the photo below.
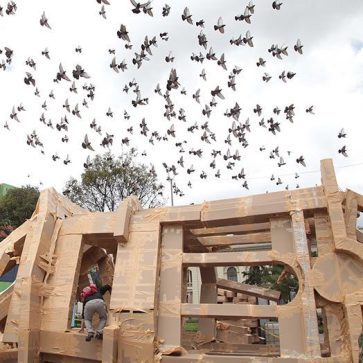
(329, 76)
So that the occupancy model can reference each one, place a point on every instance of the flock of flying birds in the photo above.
(223, 156)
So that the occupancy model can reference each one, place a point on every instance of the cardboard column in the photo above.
(324, 237)
(61, 287)
(38, 241)
(353, 316)
(134, 290)
(348, 244)
(11, 327)
(290, 317)
(350, 215)
(109, 344)
(208, 294)
(335, 323)
(310, 322)
(171, 277)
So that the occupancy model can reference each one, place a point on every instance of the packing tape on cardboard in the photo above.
(170, 308)
(171, 259)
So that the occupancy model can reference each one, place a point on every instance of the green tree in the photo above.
(16, 207)
(108, 179)
(267, 276)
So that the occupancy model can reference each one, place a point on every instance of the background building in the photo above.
(234, 273)
(4, 189)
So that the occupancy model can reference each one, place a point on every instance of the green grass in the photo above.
(191, 326)
(4, 285)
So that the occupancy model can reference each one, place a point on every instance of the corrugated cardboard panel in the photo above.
(136, 270)
(136, 338)
(281, 235)
(70, 344)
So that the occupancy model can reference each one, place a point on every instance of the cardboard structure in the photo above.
(145, 254)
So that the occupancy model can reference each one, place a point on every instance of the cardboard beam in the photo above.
(252, 238)
(237, 229)
(227, 258)
(71, 344)
(10, 243)
(91, 223)
(218, 357)
(90, 258)
(262, 205)
(241, 311)
(358, 197)
(251, 290)
(55, 358)
(9, 355)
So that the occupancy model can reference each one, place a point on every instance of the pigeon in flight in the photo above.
(44, 21)
(123, 33)
(298, 47)
(276, 5)
(220, 26)
(186, 16)
(343, 151)
(166, 10)
(139, 6)
(342, 134)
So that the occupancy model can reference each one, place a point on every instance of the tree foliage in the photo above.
(16, 207)
(109, 179)
(268, 276)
